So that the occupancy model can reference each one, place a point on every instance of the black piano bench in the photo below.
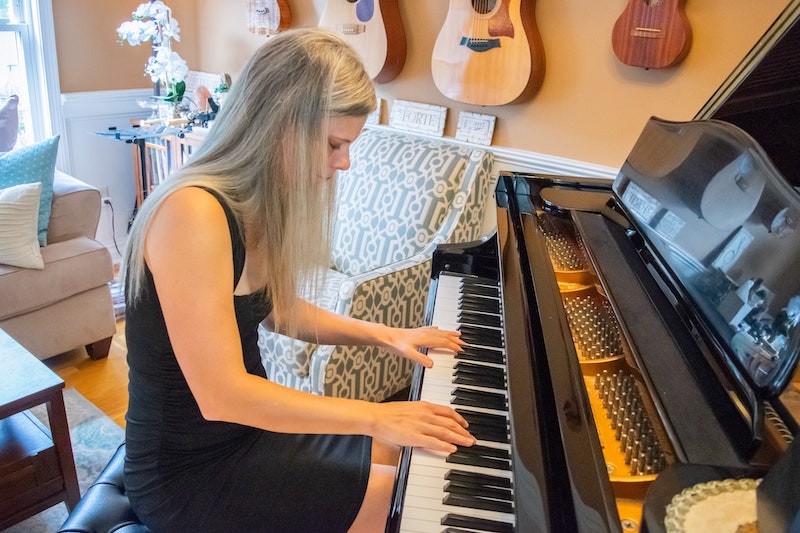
(105, 507)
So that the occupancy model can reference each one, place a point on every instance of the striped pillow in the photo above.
(19, 210)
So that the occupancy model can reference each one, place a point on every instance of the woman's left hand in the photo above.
(407, 342)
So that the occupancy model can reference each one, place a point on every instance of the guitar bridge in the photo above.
(652, 33)
(479, 45)
(350, 29)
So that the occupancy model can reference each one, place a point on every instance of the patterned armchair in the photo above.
(402, 197)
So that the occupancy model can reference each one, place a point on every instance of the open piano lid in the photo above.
(721, 223)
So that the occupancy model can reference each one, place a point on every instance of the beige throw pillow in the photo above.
(19, 212)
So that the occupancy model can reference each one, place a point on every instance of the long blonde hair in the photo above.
(266, 156)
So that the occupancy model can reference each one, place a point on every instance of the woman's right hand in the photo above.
(422, 424)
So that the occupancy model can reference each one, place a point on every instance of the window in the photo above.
(26, 33)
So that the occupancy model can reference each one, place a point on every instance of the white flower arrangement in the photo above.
(152, 21)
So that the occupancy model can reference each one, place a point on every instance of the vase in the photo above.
(168, 112)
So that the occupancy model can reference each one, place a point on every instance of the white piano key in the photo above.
(423, 507)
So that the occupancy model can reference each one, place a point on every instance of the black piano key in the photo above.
(476, 502)
(466, 378)
(488, 431)
(477, 280)
(475, 353)
(476, 398)
(485, 319)
(480, 524)
(485, 451)
(505, 495)
(476, 477)
(470, 459)
(481, 336)
(482, 290)
(487, 419)
(487, 305)
(489, 435)
(490, 371)
(478, 308)
(484, 428)
(479, 375)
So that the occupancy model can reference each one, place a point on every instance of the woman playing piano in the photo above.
(212, 445)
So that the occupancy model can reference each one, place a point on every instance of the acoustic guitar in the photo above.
(488, 52)
(267, 17)
(374, 28)
(652, 33)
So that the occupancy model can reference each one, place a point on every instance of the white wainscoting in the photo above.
(102, 161)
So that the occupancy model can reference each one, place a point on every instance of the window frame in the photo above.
(37, 36)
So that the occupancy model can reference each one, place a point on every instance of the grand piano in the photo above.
(632, 344)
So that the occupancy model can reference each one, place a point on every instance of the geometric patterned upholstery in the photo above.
(402, 197)
(391, 208)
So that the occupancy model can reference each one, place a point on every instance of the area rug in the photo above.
(95, 438)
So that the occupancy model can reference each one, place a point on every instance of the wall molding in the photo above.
(524, 161)
(103, 103)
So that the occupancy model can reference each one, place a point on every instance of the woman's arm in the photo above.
(188, 250)
(323, 327)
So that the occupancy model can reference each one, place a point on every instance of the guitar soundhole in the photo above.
(483, 7)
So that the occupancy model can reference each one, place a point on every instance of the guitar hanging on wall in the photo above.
(374, 28)
(267, 17)
(652, 33)
(489, 52)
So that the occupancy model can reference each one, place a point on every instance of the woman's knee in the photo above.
(377, 499)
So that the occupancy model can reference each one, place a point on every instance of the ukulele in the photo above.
(267, 17)
(652, 33)
(488, 52)
(374, 28)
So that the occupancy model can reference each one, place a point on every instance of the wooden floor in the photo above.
(103, 382)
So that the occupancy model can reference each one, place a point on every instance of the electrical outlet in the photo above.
(107, 201)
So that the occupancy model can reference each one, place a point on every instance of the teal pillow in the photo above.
(31, 164)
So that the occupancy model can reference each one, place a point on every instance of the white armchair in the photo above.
(402, 197)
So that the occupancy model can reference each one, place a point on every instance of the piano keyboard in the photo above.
(472, 489)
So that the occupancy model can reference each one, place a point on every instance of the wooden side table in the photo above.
(37, 469)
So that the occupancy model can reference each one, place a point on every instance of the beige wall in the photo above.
(90, 57)
(590, 108)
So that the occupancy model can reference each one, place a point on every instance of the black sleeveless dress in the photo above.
(185, 473)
